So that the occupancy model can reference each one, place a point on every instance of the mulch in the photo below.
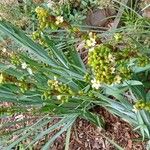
(86, 136)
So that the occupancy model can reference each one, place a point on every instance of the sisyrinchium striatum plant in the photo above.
(42, 74)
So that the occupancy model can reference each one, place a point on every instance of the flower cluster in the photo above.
(15, 59)
(108, 66)
(143, 60)
(91, 41)
(42, 15)
(47, 20)
(142, 105)
(59, 90)
(59, 87)
(22, 85)
(59, 20)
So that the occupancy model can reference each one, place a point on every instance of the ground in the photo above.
(86, 136)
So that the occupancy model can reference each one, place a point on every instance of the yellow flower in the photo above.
(59, 97)
(91, 49)
(4, 50)
(59, 19)
(37, 9)
(134, 109)
(90, 34)
(1, 78)
(90, 42)
(55, 78)
(118, 37)
(30, 71)
(24, 65)
(117, 79)
(95, 84)
(41, 12)
(111, 58)
(112, 70)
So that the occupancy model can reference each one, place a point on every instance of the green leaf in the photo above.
(95, 119)
(77, 61)
(57, 53)
(35, 49)
(67, 125)
(29, 131)
(68, 134)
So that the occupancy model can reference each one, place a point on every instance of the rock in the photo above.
(99, 17)
(146, 13)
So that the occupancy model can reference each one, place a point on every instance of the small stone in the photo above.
(99, 17)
